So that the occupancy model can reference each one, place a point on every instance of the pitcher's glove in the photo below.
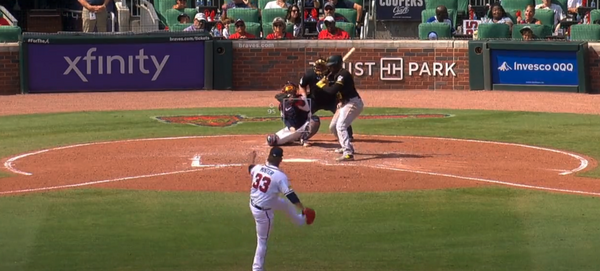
(309, 214)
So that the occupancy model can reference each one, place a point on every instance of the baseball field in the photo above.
(443, 180)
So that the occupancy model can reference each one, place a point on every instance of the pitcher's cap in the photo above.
(276, 152)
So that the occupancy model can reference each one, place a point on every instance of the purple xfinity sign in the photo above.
(113, 67)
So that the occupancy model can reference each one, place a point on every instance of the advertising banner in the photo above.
(399, 10)
(550, 68)
(469, 26)
(115, 66)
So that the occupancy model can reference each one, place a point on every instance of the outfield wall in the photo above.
(240, 65)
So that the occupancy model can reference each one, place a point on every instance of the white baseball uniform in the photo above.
(268, 183)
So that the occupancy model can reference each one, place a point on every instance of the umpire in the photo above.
(320, 100)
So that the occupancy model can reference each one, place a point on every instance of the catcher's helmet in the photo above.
(320, 66)
(272, 140)
(290, 88)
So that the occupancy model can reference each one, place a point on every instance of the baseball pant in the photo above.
(333, 109)
(342, 119)
(285, 136)
(100, 21)
(264, 224)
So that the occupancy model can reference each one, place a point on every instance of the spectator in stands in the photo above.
(312, 4)
(279, 30)
(558, 12)
(529, 16)
(498, 16)
(180, 5)
(349, 4)
(94, 15)
(226, 23)
(199, 23)
(235, 4)
(329, 10)
(527, 33)
(240, 31)
(277, 4)
(573, 5)
(293, 17)
(183, 18)
(332, 32)
(441, 16)
(217, 30)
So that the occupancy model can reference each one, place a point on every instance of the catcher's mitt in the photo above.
(309, 214)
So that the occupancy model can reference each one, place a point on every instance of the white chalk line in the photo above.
(9, 163)
(202, 167)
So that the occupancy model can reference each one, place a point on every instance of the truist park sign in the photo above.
(72, 66)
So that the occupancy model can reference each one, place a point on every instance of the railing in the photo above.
(8, 15)
(76, 14)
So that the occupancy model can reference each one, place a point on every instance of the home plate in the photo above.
(300, 160)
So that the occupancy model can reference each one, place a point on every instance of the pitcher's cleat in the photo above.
(346, 157)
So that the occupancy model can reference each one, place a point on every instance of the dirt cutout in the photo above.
(382, 164)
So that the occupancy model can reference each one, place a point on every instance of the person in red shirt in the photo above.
(332, 32)
(279, 30)
(240, 31)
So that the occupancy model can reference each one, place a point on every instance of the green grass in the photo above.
(495, 228)
(459, 229)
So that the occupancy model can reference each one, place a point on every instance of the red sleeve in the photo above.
(248, 35)
(234, 36)
(323, 35)
(271, 36)
(289, 36)
(345, 35)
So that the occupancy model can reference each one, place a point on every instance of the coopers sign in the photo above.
(404, 10)
(105, 67)
(395, 68)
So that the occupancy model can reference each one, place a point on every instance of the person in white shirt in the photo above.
(268, 183)
(558, 12)
(573, 5)
(277, 4)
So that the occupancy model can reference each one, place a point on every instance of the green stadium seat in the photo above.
(348, 13)
(585, 32)
(428, 13)
(493, 31)
(267, 29)
(595, 15)
(516, 4)
(179, 27)
(251, 27)
(269, 14)
(442, 30)
(546, 16)
(348, 27)
(463, 6)
(10, 33)
(540, 31)
(246, 14)
(190, 12)
(449, 4)
(171, 16)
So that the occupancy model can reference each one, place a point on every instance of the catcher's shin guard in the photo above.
(272, 140)
(313, 126)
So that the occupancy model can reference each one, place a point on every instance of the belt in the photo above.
(258, 207)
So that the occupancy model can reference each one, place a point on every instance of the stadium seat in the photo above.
(442, 30)
(267, 29)
(348, 27)
(463, 6)
(9, 33)
(428, 13)
(190, 12)
(246, 14)
(179, 27)
(449, 4)
(539, 30)
(594, 15)
(171, 16)
(269, 14)
(546, 16)
(251, 27)
(561, 3)
(348, 13)
(516, 4)
(585, 32)
(510, 13)
(493, 31)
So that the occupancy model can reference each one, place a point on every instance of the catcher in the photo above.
(300, 124)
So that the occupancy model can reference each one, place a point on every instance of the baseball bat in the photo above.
(348, 54)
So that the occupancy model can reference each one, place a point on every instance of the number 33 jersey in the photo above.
(268, 182)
